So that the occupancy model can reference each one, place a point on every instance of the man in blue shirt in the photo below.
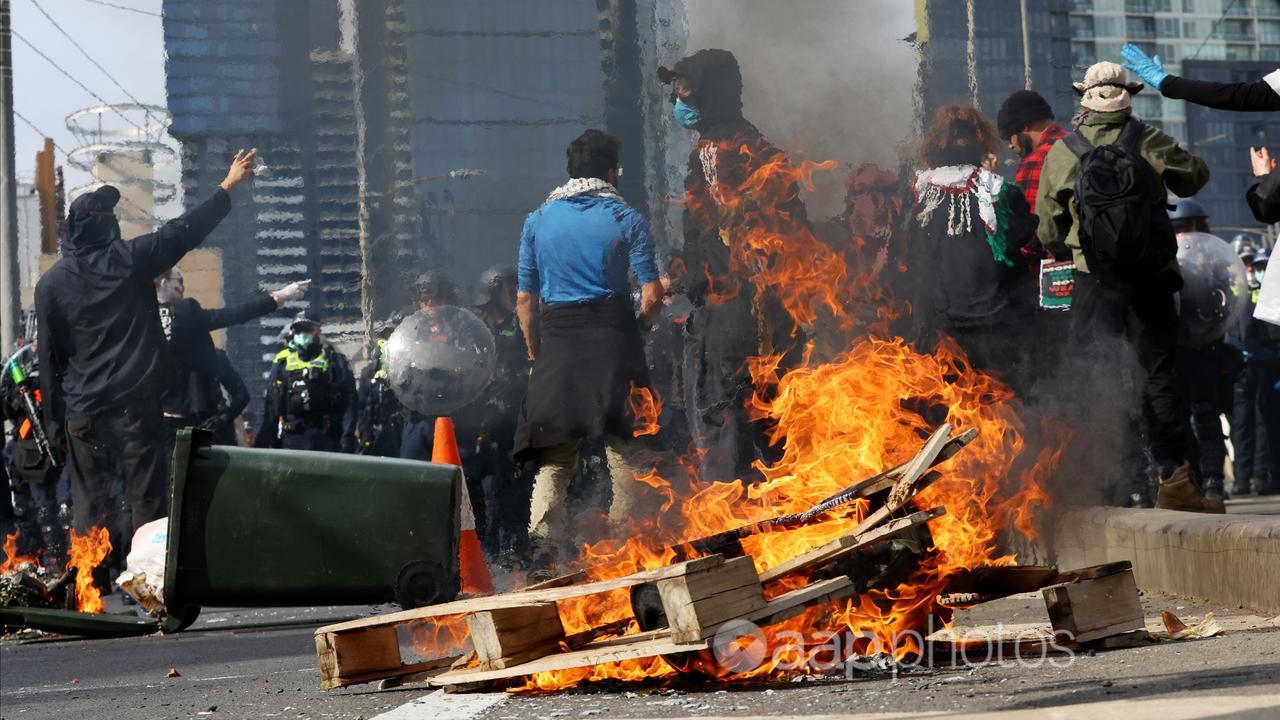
(583, 336)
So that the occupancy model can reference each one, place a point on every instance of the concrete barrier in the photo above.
(1229, 559)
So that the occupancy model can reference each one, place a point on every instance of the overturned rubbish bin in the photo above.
(278, 528)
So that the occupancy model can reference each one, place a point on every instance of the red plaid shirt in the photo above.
(1028, 175)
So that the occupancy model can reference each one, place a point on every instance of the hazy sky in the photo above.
(130, 45)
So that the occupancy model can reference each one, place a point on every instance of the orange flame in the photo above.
(12, 560)
(86, 553)
(839, 422)
(646, 407)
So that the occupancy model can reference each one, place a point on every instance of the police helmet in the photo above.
(493, 278)
(304, 320)
(1188, 209)
(435, 285)
(496, 274)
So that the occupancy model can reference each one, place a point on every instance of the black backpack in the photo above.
(1121, 204)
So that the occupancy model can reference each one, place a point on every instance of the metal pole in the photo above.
(971, 51)
(10, 301)
(1026, 44)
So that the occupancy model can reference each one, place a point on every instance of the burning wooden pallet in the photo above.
(520, 633)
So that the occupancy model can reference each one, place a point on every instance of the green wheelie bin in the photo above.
(277, 528)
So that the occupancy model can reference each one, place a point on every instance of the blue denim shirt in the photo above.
(579, 249)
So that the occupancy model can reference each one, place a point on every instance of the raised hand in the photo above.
(1150, 69)
(241, 168)
(288, 293)
(1262, 161)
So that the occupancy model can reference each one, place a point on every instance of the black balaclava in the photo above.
(716, 84)
(91, 222)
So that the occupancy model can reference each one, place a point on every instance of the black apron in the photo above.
(591, 355)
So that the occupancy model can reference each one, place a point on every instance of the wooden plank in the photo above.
(848, 543)
(653, 643)
(561, 581)
(701, 600)
(691, 621)
(889, 478)
(502, 633)
(343, 657)
(597, 653)
(356, 653)
(904, 488)
(735, 573)
(790, 604)
(1097, 608)
(522, 598)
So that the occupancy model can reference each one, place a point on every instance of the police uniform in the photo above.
(381, 419)
(308, 401)
(33, 478)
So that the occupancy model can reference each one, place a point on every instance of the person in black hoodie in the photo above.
(733, 319)
(102, 349)
(192, 395)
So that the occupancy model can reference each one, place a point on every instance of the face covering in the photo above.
(687, 115)
(302, 341)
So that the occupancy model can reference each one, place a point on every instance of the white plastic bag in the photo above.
(144, 578)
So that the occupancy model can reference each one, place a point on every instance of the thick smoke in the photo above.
(824, 79)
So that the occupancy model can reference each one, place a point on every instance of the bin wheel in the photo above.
(179, 618)
(422, 583)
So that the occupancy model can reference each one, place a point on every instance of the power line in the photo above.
(39, 132)
(85, 53)
(125, 7)
(73, 79)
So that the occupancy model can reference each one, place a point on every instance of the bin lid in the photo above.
(70, 622)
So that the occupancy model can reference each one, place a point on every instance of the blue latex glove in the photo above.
(1150, 69)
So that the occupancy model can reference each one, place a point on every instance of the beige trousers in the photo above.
(548, 518)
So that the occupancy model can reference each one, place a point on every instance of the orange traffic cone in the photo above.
(471, 565)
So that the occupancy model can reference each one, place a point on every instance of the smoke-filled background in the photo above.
(824, 79)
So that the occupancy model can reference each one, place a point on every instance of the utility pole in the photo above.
(10, 302)
(1026, 45)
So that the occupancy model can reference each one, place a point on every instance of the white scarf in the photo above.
(584, 186)
(952, 183)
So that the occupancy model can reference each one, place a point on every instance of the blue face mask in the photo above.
(687, 115)
(303, 341)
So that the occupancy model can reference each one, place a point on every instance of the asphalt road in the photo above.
(261, 664)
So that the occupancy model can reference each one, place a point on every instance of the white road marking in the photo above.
(441, 706)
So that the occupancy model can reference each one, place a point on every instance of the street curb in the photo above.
(1229, 559)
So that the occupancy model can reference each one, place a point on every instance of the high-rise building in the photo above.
(1223, 40)
(999, 55)
(401, 135)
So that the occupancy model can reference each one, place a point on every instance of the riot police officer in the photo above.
(487, 427)
(310, 400)
(380, 421)
(432, 289)
(33, 471)
(1207, 372)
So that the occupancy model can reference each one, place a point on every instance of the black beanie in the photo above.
(1019, 110)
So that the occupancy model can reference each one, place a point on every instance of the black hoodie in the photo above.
(728, 152)
(101, 344)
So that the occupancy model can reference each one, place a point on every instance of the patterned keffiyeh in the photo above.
(583, 186)
(953, 184)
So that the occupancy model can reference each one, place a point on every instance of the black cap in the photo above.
(102, 199)
(1021, 109)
